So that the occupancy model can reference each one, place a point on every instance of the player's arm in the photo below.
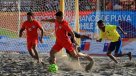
(101, 37)
(73, 36)
(99, 40)
(77, 35)
(48, 20)
(22, 29)
(21, 32)
(42, 31)
(86, 37)
(41, 38)
(118, 27)
(70, 31)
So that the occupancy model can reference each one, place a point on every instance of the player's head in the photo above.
(100, 24)
(30, 16)
(59, 16)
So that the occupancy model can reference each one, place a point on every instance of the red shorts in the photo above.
(31, 43)
(67, 45)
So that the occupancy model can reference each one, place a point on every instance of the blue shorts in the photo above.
(115, 46)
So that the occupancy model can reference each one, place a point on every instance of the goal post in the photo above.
(62, 5)
(76, 10)
(77, 18)
(13, 14)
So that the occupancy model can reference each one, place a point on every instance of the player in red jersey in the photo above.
(31, 26)
(62, 29)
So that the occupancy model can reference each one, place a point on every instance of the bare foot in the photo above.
(89, 66)
(130, 55)
(39, 61)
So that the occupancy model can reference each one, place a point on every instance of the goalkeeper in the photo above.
(77, 35)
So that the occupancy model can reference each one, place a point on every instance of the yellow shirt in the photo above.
(110, 33)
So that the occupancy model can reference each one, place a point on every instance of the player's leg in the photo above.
(30, 50)
(31, 53)
(86, 56)
(82, 54)
(79, 53)
(52, 59)
(111, 48)
(35, 53)
(56, 48)
(75, 54)
(68, 53)
(129, 55)
(78, 50)
(89, 58)
(118, 50)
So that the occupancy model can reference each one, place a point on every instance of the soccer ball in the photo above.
(53, 68)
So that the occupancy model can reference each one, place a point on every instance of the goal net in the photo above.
(13, 14)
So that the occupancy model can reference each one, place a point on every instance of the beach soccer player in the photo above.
(31, 26)
(78, 50)
(77, 35)
(110, 33)
(62, 29)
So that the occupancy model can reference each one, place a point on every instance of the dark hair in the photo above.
(100, 21)
(59, 13)
(30, 14)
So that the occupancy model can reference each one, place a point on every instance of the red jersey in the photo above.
(31, 29)
(61, 31)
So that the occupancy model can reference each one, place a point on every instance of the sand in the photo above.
(24, 65)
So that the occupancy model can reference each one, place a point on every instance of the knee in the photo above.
(75, 56)
(108, 54)
(90, 58)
